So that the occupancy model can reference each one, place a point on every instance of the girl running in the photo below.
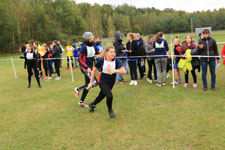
(110, 66)
(31, 63)
(86, 59)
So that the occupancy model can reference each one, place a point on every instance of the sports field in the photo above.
(148, 117)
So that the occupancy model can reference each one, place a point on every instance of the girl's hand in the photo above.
(89, 70)
(111, 71)
(90, 85)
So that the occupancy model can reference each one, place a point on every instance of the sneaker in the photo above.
(132, 82)
(67, 68)
(158, 84)
(148, 79)
(163, 84)
(123, 80)
(120, 82)
(39, 86)
(28, 86)
(185, 85)
(73, 68)
(175, 82)
(195, 85)
(179, 81)
(213, 89)
(82, 104)
(91, 107)
(49, 78)
(76, 92)
(58, 78)
(205, 89)
(111, 114)
(135, 83)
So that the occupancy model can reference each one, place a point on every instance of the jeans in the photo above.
(119, 76)
(212, 66)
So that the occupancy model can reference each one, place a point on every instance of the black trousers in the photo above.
(31, 66)
(105, 92)
(84, 87)
(40, 67)
(141, 68)
(151, 63)
(68, 61)
(193, 75)
(57, 66)
(133, 69)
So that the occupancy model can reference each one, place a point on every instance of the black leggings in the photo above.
(151, 63)
(84, 87)
(32, 66)
(105, 92)
(57, 66)
(193, 75)
(141, 68)
(133, 69)
(68, 61)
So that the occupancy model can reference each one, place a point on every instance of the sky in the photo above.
(186, 5)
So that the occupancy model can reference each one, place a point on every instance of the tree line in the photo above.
(47, 20)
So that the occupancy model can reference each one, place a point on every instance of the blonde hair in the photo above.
(107, 49)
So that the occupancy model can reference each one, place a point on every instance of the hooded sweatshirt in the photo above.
(161, 47)
(119, 45)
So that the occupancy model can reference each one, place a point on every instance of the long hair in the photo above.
(158, 36)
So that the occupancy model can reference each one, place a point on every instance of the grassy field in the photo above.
(148, 117)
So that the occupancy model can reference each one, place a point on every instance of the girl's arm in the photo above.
(120, 71)
(93, 72)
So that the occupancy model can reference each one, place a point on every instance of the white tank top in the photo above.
(108, 65)
(157, 45)
(90, 51)
(30, 56)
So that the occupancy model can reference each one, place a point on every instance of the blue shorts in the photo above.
(176, 66)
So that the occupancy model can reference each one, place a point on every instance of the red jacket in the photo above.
(223, 54)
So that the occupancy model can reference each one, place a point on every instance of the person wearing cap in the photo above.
(86, 60)
(119, 48)
(208, 47)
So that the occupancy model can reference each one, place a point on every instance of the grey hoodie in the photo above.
(149, 50)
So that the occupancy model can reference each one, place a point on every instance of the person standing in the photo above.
(149, 50)
(131, 47)
(141, 52)
(56, 57)
(208, 47)
(119, 48)
(161, 49)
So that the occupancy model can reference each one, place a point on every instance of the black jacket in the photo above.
(209, 49)
(118, 45)
(56, 52)
(33, 62)
(141, 48)
(134, 49)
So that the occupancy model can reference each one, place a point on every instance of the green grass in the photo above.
(148, 117)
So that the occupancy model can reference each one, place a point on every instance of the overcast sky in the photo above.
(186, 5)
